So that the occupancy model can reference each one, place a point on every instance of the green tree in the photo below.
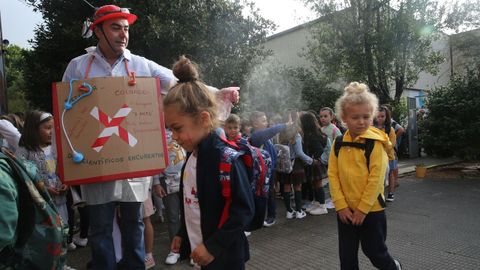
(16, 86)
(214, 33)
(316, 93)
(381, 42)
(451, 127)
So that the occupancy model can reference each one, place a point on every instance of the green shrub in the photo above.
(453, 122)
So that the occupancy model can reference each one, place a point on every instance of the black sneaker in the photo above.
(269, 222)
(390, 197)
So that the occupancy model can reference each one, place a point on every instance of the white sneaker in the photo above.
(320, 210)
(66, 267)
(329, 204)
(291, 215)
(247, 233)
(398, 264)
(312, 206)
(172, 258)
(71, 246)
(300, 215)
(80, 242)
(269, 222)
(149, 262)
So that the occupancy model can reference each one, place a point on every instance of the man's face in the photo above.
(116, 31)
(186, 130)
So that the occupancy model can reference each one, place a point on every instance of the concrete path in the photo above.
(433, 224)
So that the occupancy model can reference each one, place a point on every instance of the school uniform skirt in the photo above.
(297, 175)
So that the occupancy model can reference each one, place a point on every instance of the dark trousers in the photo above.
(372, 235)
(84, 221)
(101, 240)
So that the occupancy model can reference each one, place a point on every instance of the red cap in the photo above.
(108, 12)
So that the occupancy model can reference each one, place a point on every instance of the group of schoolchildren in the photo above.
(208, 223)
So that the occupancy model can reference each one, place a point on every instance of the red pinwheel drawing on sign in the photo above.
(112, 126)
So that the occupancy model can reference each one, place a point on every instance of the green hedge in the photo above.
(452, 125)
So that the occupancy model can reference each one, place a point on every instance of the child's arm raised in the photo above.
(258, 138)
(240, 214)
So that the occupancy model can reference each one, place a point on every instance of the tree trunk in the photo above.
(399, 85)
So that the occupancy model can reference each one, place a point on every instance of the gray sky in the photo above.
(19, 20)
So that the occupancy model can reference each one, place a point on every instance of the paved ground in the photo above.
(433, 224)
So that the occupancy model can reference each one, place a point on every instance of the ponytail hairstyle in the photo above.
(355, 94)
(30, 138)
(190, 95)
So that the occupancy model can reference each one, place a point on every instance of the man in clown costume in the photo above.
(111, 58)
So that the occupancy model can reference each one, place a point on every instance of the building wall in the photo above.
(427, 81)
(288, 45)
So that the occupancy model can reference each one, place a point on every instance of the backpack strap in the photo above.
(367, 147)
(225, 167)
(338, 144)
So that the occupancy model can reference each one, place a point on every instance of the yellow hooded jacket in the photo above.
(351, 183)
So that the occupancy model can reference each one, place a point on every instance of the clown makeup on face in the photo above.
(232, 130)
(188, 131)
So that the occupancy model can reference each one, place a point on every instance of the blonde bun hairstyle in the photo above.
(190, 95)
(356, 93)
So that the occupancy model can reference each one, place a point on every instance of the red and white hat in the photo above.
(108, 12)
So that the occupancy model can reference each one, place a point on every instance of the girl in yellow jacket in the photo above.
(357, 190)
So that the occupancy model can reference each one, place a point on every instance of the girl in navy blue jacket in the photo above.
(191, 114)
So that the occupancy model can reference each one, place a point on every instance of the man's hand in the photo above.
(201, 255)
(176, 242)
(358, 217)
(345, 215)
(230, 93)
(159, 191)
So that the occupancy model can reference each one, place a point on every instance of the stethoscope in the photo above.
(77, 156)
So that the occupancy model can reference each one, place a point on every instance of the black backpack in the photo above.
(367, 147)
